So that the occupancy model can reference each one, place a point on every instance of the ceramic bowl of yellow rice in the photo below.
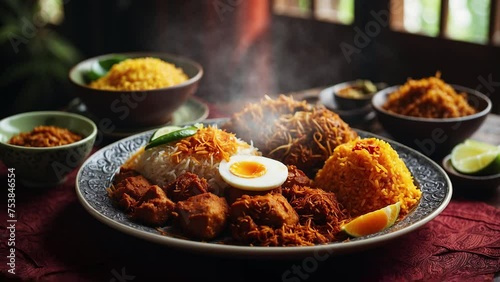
(142, 90)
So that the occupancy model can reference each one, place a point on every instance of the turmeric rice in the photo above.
(366, 175)
(140, 74)
(428, 98)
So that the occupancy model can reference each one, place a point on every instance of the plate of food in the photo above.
(305, 184)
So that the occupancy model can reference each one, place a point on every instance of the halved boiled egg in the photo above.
(253, 173)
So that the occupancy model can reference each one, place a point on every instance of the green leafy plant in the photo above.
(36, 56)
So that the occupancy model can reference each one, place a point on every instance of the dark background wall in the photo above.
(247, 51)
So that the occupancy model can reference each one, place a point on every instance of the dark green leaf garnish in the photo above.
(100, 68)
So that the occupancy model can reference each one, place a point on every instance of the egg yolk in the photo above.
(247, 169)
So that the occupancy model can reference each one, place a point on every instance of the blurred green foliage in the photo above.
(468, 20)
(346, 11)
(35, 58)
(422, 16)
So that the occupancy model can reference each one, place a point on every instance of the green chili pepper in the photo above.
(172, 136)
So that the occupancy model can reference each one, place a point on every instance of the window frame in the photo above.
(396, 24)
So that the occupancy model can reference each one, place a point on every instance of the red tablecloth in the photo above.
(57, 240)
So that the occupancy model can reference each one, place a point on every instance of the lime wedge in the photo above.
(481, 145)
(476, 158)
(164, 130)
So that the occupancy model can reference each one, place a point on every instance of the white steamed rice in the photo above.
(156, 164)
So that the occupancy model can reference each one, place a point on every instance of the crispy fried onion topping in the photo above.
(208, 142)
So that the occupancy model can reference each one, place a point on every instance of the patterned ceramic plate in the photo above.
(97, 172)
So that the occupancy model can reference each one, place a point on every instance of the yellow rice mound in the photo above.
(140, 74)
(366, 175)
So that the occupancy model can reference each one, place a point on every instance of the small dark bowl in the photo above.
(470, 183)
(434, 137)
(129, 110)
(353, 117)
(353, 103)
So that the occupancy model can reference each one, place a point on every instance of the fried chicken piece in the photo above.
(298, 216)
(185, 186)
(202, 217)
(296, 177)
(317, 205)
(153, 208)
(243, 230)
(270, 209)
(124, 173)
(296, 235)
(262, 221)
(246, 232)
(232, 193)
(128, 190)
